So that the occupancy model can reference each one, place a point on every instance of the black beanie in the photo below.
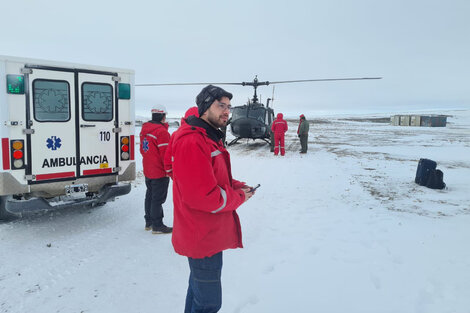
(208, 95)
(157, 117)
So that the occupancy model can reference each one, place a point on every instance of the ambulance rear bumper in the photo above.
(106, 193)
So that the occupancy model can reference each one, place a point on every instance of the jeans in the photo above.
(205, 288)
(157, 190)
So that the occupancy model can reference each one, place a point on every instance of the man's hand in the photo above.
(248, 193)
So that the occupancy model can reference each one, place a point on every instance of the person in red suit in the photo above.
(188, 113)
(154, 138)
(279, 128)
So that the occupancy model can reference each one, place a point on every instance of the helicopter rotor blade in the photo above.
(257, 83)
(322, 80)
(185, 84)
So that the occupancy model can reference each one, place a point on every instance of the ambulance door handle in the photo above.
(87, 125)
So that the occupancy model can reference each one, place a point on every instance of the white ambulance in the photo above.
(67, 133)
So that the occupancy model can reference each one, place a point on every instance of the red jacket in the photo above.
(167, 159)
(279, 125)
(205, 196)
(154, 138)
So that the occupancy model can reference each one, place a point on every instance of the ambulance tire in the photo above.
(4, 214)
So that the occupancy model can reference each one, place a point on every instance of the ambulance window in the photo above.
(51, 100)
(97, 102)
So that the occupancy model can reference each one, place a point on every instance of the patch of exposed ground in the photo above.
(368, 119)
(311, 122)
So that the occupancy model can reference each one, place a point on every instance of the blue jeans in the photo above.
(205, 288)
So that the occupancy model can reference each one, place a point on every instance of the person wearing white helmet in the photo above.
(154, 139)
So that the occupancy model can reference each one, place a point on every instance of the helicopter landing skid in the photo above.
(233, 141)
(266, 140)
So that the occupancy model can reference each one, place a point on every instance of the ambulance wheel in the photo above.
(4, 214)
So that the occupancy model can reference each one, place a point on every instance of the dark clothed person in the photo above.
(302, 132)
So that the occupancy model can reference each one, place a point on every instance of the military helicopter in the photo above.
(253, 120)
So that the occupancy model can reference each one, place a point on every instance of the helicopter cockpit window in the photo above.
(258, 114)
(238, 113)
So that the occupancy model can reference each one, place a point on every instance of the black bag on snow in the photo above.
(424, 168)
(436, 180)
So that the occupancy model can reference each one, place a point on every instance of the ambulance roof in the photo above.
(4, 58)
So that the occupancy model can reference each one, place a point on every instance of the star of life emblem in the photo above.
(54, 143)
(145, 145)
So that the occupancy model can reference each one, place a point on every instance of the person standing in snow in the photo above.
(154, 138)
(188, 113)
(167, 160)
(279, 128)
(205, 198)
(302, 132)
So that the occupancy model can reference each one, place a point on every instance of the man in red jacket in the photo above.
(205, 198)
(279, 128)
(154, 138)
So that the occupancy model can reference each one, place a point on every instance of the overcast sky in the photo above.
(420, 48)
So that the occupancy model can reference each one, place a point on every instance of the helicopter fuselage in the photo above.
(251, 121)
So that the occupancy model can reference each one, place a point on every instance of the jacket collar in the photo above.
(214, 134)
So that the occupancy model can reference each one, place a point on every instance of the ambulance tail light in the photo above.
(17, 154)
(125, 148)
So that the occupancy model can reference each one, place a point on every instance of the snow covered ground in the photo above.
(341, 229)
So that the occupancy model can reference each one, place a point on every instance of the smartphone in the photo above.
(255, 187)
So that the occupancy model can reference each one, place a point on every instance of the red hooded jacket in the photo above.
(279, 125)
(205, 196)
(154, 138)
(167, 159)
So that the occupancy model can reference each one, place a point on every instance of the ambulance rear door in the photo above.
(97, 123)
(50, 129)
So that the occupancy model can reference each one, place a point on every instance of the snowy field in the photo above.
(341, 229)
